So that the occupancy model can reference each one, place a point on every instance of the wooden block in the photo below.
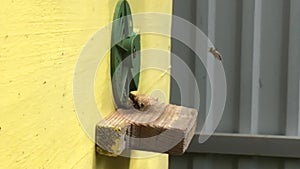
(148, 125)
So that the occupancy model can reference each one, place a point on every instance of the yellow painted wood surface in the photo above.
(40, 42)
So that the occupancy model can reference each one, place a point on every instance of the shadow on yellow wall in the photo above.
(40, 42)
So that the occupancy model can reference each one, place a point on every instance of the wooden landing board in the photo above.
(155, 127)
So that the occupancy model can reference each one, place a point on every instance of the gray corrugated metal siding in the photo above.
(260, 44)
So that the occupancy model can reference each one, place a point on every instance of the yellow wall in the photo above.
(40, 42)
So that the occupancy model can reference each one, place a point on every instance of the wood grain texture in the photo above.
(160, 127)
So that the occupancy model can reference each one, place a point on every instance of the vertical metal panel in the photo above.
(228, 41)
(273, 67)
(211, 25)
(186, 12)
(293, 92)
(200, 72)
(293, 81)
(250, 57)
(260, 43)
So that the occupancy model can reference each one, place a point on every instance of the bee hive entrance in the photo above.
(160, 127)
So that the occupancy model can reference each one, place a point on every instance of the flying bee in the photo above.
(216, 53)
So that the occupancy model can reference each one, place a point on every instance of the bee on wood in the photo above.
(136, 102)
(216, 53)
(140, 102)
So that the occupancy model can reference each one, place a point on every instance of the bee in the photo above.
(140, 102)
(136, 103)
(216, 53)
